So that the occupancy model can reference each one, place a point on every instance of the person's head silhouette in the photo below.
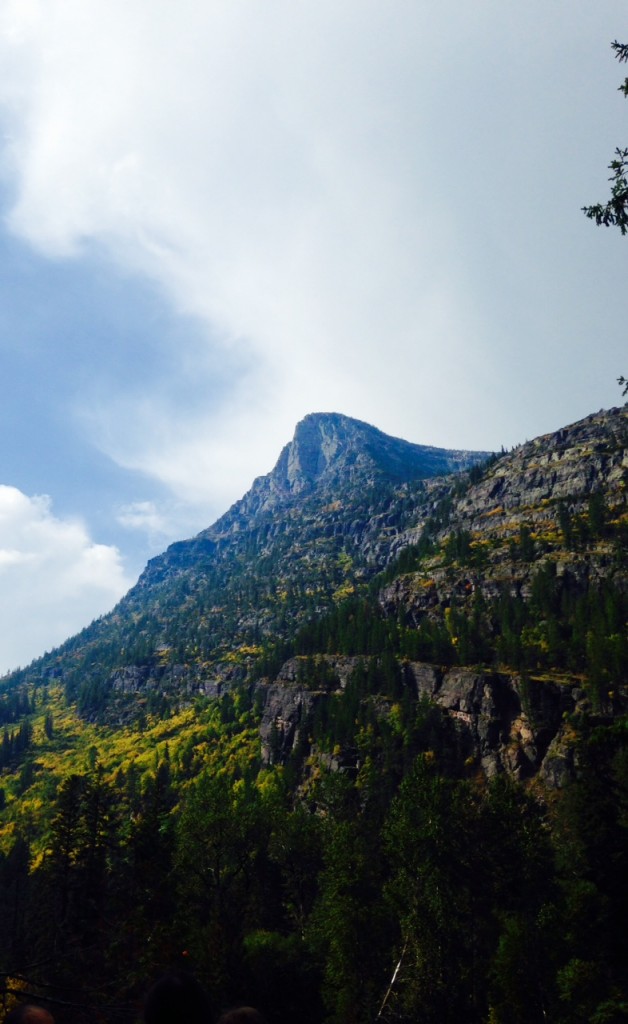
(177, 998)
(29, 1013)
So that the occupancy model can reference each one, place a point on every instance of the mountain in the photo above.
(356, 751)
(329, 450)
(329, 455)
(204, 607)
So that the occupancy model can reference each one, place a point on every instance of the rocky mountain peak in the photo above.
(330, 447)
(320, 440)
(328, 454)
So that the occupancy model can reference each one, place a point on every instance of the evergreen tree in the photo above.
(429, 890)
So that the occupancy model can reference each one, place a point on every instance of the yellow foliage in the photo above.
(67, 753)
(240, 654)
(268, 781)
(345, 561)
(448, 624)
(343, 591)
(396, 719)
(12, 986)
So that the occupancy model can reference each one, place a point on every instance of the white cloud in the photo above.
(262, 163)
(53, 578)
(336, 191)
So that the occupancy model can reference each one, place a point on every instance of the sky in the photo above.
(221, 215)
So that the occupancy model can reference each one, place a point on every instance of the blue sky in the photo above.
(219, 217)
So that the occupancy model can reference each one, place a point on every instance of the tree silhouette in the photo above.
(614, 213)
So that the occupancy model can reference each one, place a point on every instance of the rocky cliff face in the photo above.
(501, 722)
(542, 487)
(330, 451)
(567, 466)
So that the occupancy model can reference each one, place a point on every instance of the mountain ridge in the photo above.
(327, 450)
(327, 446)
(302, 516)
(325, 442)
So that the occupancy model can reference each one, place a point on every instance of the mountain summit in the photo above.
(330, 457)
(328, 447)
(329, 451)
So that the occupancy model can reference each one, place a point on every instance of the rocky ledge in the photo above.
(503, 722)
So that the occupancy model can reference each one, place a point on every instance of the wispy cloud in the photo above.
(143, 515)
(304, 180)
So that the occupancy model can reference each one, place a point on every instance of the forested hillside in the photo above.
(356, 752)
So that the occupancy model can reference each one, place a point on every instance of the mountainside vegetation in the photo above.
(357, 752)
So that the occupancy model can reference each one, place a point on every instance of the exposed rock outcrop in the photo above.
(505, 723)
(569, 465)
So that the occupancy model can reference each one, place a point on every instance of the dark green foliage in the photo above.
(353, 627)
(523, 548)
(592, 847)
(457, 547)
(15, 743)
(483, 903)
(409, 560)
(576, 626)
(614, 213)
(592, 525)
(339, 720)
(91, 698)
(471, 883)
(566, 524)
(429, 891)
(349, 922)
(273, 657)
(476, 474)
(480, 470)
(217, 848)
(15, 704)
(596, 515)
(359, 627)
(15, 887)
(317, 674)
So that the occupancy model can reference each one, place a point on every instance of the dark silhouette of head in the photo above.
(177, 998)
(242, 1015)
(29, 1013)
